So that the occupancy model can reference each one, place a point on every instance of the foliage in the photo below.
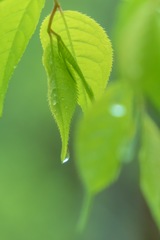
(20, 23)
(77, 56)
(87, 59)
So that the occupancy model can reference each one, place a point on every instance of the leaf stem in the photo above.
(50, 31)
(86, 207)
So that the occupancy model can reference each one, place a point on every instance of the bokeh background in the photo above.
(41, 199)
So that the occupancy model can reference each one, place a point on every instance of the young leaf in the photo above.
(150, 166)
(18, 21)
(101, 137)
(62, 92)
(92, 48)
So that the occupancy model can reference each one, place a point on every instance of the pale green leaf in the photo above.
(150, 166)
(62, 93)
(18, 20)
(101, 138)
(93, 51)
(138, 44)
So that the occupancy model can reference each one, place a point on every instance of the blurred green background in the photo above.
(40, 199)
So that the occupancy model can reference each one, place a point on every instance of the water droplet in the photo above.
(118, 110)
(66, 158)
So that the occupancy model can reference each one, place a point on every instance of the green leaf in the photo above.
(62, 93)
(139, 46)
(101, 138)
(93, 51)
(150, 166)
(18, 21)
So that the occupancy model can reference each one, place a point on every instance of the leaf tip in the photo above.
(65, 157)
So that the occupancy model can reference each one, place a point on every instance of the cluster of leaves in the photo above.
(138, 45)
(77, 70)
(104, 137)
